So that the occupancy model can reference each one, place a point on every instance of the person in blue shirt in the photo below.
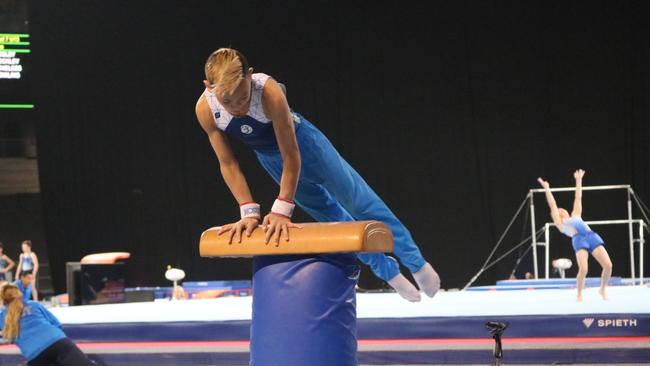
(24, 284)
(583, 239)
(37, 332)
(253, 108)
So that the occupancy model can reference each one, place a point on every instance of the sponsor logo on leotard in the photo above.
(217, 115)
(246, 129)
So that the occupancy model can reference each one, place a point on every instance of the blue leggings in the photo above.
(329, 189)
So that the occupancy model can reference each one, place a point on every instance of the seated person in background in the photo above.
(24, 284)
(37, 332)
(6, 264)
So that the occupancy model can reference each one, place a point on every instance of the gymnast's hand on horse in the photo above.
(235, 230)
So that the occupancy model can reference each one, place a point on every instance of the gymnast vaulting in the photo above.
(310, 172)
(584, 240)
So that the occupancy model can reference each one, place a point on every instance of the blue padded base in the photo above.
(304, 311)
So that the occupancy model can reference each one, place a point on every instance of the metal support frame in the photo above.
(641, 242)
(532, 227)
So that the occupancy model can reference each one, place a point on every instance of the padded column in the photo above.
(304, 310)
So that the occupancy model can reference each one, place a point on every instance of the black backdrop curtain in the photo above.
(450, 110)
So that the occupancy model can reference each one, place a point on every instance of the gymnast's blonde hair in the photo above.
(12, 298)
(225, 69)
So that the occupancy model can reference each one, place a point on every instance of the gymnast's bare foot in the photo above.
(579, 298)
(603, 294)
(427, 279)
(404, 288)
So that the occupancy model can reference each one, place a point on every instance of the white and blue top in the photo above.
(255, 129)
(574, 226)
(27, 262)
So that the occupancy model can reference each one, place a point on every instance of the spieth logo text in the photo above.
(610, 323)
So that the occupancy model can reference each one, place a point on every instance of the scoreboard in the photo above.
(15, 54)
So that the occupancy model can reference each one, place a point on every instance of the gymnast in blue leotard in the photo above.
(583, 239)
(253, 108)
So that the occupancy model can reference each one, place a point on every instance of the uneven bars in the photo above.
(587, 188)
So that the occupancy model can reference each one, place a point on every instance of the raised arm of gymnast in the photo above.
(277, 110)
(577, 201)
(555, 212)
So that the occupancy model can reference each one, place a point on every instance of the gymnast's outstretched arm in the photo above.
(276, 108)
(230, 171)
(577, 202)
(555, 213)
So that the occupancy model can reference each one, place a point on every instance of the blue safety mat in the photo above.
(545, 284)
(230, 285)
(231, 288)
(589, 281)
